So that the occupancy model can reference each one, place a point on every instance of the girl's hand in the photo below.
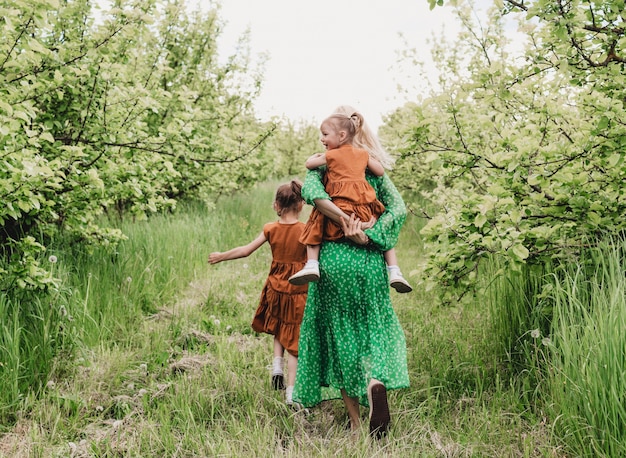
(352, 230)
(214, 258)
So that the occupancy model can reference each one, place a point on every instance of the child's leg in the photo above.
(311, 270)
(396, 280)
(390, 257)
(312, 253)
(292, 367)
(277, 366)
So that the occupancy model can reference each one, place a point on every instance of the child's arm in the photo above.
(375, 167)
(315, 161)
(239, 252)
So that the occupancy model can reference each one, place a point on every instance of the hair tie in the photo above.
(355, 119)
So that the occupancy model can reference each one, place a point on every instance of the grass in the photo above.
(165, 364)
(587, 351)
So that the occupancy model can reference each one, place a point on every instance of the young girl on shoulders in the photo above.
(350, 151)
(281, 306)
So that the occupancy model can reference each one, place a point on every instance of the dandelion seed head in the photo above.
(535, 333)
(216, 322)
(143, 367)
(129, 279)
(245, 266)
(229, 327)
(52, 259)
(50, 384)
(143, 392)
(99, 409)
(546, 341)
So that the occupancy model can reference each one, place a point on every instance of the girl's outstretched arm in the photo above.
(239, 252)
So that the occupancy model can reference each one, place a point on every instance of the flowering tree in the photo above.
(126, 114)
(524, 161)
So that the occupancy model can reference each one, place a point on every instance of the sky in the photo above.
(325, 53)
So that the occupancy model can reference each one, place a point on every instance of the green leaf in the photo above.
(603, 123)
(519, 251)
(480, 220)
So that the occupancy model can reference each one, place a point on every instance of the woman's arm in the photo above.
(384, 234)
(330, 210)
(313, 193)
(239, 252)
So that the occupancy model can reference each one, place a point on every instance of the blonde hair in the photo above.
(349, 123)
(364, 137)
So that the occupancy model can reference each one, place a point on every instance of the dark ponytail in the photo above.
(289, 196)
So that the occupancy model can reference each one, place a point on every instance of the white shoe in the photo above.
(397, 282)
(305, 276)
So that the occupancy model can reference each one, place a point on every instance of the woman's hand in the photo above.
(352, 230)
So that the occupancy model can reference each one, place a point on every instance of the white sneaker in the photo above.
(397, 282)
(305, 276)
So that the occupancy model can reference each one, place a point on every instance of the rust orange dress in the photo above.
(281, 306)
(347, 187)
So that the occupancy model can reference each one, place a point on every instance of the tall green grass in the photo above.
(116, 289)
(561, 333)
(36, 337)
(586, 381)
(165, 364)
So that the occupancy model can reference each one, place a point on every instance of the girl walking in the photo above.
(281, 306)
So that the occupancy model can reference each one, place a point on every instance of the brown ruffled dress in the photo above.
(347, 187)
(281, 306)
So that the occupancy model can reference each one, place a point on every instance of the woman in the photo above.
(351, 343)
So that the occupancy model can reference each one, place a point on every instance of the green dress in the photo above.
(350, 332)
